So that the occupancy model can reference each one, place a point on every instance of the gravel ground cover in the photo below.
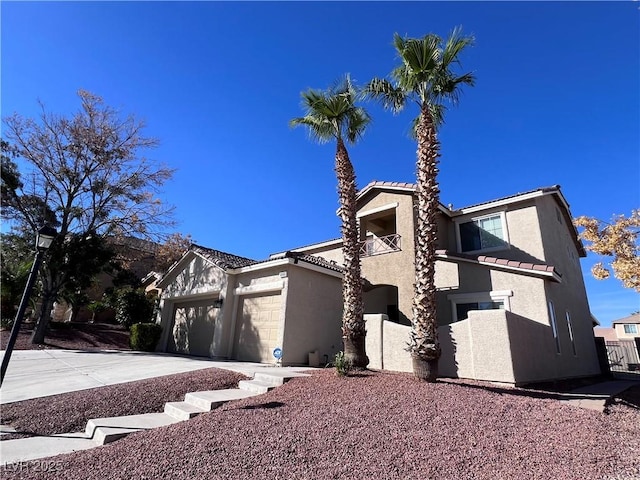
(69, 412)
(375, 426)
(72, 336)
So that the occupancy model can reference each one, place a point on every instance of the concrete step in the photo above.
(210, 399)
(255, 386)
(106, 430)
(276, 376)
(182, 410)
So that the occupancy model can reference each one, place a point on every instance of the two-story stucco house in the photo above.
(512, 305)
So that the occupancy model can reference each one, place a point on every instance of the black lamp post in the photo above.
(44, 238)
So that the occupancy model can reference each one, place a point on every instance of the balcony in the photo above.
(379, 245)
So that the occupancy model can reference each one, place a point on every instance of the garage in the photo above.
(193, 327)
(258, 329)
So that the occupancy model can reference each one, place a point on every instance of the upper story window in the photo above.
(630, 328)
(483, 233)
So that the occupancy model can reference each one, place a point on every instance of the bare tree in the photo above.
(84, 175)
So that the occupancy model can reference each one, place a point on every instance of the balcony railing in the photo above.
(380, 245)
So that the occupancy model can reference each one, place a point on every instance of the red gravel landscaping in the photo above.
(72, 336)
(69, 412)
(376, 426)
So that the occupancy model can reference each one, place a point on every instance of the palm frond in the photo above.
(318, 129)
(456, 42)
(383, 91)
(332, 113)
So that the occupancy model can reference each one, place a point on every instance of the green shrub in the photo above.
(132, 306)
(6, 323)
(144, 336)
(343, 366)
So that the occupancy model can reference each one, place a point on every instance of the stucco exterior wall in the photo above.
(313, 316)
(394, 268)
(569, 296)
(197, 280)
(620, 333)
(523, 232)
(454, 278)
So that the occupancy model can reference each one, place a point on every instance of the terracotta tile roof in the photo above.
(222, 259)
(377, 183)
(633, 318)
(553, 188)
(412, 186)
(503, 262)
(312, 259)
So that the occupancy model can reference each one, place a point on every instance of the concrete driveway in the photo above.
(40, 373)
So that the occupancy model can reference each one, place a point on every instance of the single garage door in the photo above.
(193, 327)
(258, 328)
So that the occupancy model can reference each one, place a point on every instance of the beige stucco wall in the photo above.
(491, 345)
(313, 316)
(477, 348)
(385, 344)
(197, 280)
(569, 295)
(394, 268)
(452, 278)
(620, 333)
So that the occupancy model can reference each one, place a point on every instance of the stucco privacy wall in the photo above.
(197, 280)
(491, 345)
(314, 316)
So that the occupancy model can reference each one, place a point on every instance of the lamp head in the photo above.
(45, 237)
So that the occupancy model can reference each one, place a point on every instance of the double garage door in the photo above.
(193, 328)
(258, 327)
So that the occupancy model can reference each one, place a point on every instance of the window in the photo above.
(483, 233)
(462, 309)
(554, 326)
(570, 328)
(463, 303)
(630, 328)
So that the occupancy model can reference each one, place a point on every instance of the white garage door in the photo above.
(193, 328)
(258, 328)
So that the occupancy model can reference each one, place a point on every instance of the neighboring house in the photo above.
(221, 305)
(627, 328)
(511, 301)
(137, 255)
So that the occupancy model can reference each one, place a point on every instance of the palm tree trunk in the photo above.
(424, 346)
(353, 328)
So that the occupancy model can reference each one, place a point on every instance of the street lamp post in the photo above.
(44, 238)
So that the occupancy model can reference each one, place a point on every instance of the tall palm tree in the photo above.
(333, 115)
(425, 77)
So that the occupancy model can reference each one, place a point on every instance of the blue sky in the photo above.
(557, 101)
